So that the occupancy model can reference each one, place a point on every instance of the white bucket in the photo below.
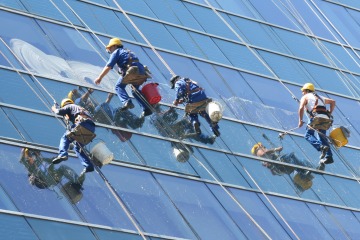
(102, 153)
(181, 155)
(214, 110)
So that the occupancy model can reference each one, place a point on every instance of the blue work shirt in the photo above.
(72, 110)
(181, 91)
(121, 57)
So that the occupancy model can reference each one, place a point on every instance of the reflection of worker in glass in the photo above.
(302, 178)
(164, 122)
(168, 125)
(82, 99)
(44, 175)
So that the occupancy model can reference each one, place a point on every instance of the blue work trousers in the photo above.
(317, 142)
(194, 118)
(124, 97)
(65, 143)
(292, 159)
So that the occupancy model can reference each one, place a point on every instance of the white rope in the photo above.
(33, 76)
(322, 48)
(172, 72)
(303, 23)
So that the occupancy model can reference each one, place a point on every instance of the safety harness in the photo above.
(132, 75)
(197, 106)
(317, 115)
(79, 133)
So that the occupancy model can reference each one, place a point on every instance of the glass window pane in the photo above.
(107, 234)
(210, 22)
(57, 230)
(302, 221)
(241, 57)
(157, 213)
(200, 209)
(174, 12)
(15, 227)
(15, 179)
(328, 220)
(341, 19)
(348, 221)
(103, 20)
(350, 3)
(8, 129)
(52, 9)
(25, 86)
(43, 185)
(220, 165)
(255, 208)
(150, 30)
(13, 4)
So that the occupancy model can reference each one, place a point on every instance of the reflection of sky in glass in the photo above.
(55, 67)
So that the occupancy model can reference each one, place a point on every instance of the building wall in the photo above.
(252, 56)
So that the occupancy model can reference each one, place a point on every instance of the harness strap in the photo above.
(188, 91)
(130, 60)
(318, 109)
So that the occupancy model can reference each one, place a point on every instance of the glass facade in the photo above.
(251, 56)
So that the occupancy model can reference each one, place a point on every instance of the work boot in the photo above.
(128, 105)
(197, 128)
(323, 150)
(321, 166)
(328, 160)
(145, 113)
(59, 159)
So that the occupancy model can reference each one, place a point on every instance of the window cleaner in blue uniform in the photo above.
(188, 91)
(132, 72)
(320, 121)
(81, 132)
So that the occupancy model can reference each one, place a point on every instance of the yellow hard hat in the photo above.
(255, 148)
(114, 42)
(66, 101)
(308, 86)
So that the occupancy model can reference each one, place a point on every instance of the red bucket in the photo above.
(151, 93)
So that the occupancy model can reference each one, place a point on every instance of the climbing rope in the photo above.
(160, 59)
(297, 16)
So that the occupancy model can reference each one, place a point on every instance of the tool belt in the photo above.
(197, 106)
(133, 77)
(321, 119)
(321, 123)
(81, 134)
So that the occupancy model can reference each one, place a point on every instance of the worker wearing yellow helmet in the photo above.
(320, 119)
(82, 122)
(132, 72)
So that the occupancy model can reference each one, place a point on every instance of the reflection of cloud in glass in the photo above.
(55, 67)
(261, 114)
